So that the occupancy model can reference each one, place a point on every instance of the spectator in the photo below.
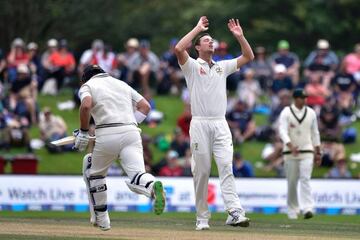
(329, 124)
(144, 65)
(262, 68)
(107, 60)
(316, 91)
(171, 75)
(15, 130)
(221, 52)
(339, 171)
(333, 152)
(64, 63)
(2, 65)
(16, 57)
(280, 82)
(35, 63)
(154, 117)
(89, 56)
(289, 59)
(241, 122)
(345, 89)
(272, 154)
(180, 143)
(172, 167)
(23, 90)
(330, 132)
(131, 47)
(284, 100)
(351, 62)
(241, 167)
(249, 89)
(183, 121)
(52, 128)
(322, 60)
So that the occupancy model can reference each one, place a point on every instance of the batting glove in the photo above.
(81, 139)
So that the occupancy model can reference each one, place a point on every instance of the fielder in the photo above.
(299, 132)
(110, 103)
(209, 131)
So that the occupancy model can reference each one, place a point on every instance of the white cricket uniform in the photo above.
(209, 131)
(301, 129)
(117, 135)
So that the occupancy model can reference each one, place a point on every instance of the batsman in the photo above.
(110, 102)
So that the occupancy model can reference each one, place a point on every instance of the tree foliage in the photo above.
(265, 22)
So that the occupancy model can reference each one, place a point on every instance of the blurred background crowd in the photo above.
(262, 87)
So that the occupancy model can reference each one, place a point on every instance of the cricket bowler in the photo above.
(209, 131)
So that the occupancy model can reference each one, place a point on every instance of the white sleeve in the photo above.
(135, 96)
(84, 92)
(284, 126)
(230, 66)
(188, 69)
(315, 135)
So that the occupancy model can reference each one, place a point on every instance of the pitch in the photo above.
(128, 225)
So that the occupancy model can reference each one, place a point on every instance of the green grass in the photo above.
(322, 226)
(70, 163)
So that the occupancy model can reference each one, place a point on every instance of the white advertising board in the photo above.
(37, 192)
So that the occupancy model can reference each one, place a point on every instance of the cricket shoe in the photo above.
(308, 215)
(237, 218)
(202, 225)
(159, 197)
(102, 221)
(292, 215)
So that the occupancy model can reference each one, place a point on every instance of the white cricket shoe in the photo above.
(292, 215)
(102, 221)
(202, 225)
(236, 218)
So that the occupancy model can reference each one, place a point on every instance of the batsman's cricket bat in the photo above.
(67, 140)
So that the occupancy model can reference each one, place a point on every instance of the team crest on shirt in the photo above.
(219, 70)
(292, 125)
(202, 71)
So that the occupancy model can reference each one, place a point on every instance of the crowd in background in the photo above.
(262, 87)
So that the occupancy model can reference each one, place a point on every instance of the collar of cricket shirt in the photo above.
(202, 61)
(295, 111)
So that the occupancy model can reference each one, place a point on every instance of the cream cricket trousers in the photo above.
(299, 170)
(212, 137)
(127, 146)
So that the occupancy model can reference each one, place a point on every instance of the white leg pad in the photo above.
(86, 166)
(142, 183)
(98, 193)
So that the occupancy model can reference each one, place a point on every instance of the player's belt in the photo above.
(106, 125)
(301, 151)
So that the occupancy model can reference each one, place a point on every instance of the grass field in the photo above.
(172, 106)
(129, 225)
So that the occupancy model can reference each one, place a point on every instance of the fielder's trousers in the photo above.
(299, 170)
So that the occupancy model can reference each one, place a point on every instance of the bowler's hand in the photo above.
(235, 28)
(203, 24)
(81, 140)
